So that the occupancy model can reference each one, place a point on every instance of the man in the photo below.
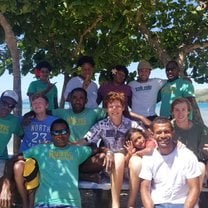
(9, 124)
(85, 67)
(144, 91)
(170, 176)
(58, 165)
(79, 118)
(174, 88)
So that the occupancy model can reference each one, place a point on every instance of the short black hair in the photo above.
(85, 59)
(44, 64)
(161, 120)
(60, 121)
(79, 89)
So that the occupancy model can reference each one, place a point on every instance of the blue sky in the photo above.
(6, 80)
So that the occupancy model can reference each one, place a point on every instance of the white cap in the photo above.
(11, 94)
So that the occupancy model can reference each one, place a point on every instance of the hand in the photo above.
(86, 82)
(130, 148)
(27, 118)
(109, 162)
(5, 195)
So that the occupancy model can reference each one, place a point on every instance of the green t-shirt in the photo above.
(8, 125)
(38, 86)
(80, 123)
(173, 90)
(58, 169)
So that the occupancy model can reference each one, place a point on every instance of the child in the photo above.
(138, 143)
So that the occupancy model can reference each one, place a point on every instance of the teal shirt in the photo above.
(80, 123)
(58, 173)
(173, 90)
(38, 86)
(8, 125)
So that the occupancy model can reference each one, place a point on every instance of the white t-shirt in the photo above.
(91, 91)
(169, 174)
(144, 96)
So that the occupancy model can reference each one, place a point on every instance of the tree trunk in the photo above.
(11, 42)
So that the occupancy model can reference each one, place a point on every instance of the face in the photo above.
(144, 74)
(78, 101)
(172, 73)
(138, 140)
(39, 105)
(163, 135)
(60, 135)
(180, 112)
(87, 70)
(44, 74)
(115, 110)
(119, 77)
(6, 106)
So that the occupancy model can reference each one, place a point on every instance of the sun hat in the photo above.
(31, 174)
(11, 94)
(144, 65)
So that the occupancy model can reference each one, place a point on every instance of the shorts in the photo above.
(168, 205)
(2, 165)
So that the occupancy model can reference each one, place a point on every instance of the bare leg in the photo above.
(135, 165)
(19, 179)
(202, 176)
(117, 179)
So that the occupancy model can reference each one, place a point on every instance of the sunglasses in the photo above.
(8, 105)
(60, 132)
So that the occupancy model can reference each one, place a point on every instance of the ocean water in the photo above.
(202, 106)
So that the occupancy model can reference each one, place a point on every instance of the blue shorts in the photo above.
(168, 205)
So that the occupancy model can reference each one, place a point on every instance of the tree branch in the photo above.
(153, 39)
(87, 31)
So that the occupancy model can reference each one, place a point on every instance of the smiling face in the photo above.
(44, 74)
(78, 100)
(115, 110)
(138, 140)
(144, 74)
(163, 134)
(180, 112)
(39, 105)
(60, 134)
(7, 104)
(86, 71)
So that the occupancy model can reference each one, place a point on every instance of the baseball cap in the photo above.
(11, 94)
(31, 174)
(144, 65)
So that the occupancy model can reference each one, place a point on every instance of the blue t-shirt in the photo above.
(36, 132)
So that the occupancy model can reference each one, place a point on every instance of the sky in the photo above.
(6, 80)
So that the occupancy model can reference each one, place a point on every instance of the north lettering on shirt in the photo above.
(143, 88)
(40, 128)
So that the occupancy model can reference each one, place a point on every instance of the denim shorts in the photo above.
(168, 205)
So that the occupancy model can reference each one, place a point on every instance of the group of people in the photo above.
(151, 151)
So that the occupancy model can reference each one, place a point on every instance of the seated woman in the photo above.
(193, 135)
(111, 131)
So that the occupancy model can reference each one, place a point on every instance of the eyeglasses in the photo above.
(8, 105)
(60, 132)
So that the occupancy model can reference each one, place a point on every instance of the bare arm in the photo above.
(145, 194)
(193, 194)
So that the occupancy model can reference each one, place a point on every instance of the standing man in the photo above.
(170, 176)
(144, 91)
(9, 124)
(174, 88)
